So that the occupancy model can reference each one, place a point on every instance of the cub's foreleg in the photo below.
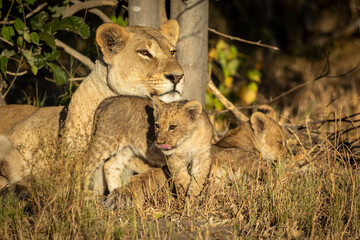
(200, 169)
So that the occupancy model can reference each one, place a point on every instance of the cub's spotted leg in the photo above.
(115, 167)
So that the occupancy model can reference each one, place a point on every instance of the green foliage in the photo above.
(121, 20)
(225, 62)
(31, 41)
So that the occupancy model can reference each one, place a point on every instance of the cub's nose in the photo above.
(174, 78)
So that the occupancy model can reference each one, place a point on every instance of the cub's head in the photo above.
(269, 135)
(175, 123)
(142, 61)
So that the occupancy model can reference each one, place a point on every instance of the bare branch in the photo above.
(17, 73)
(85, 60)
(241, 117)
(85, 5)
(242, 40)
(100, 14)
(36, 10)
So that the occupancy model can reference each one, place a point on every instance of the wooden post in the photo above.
(192, 46)
(149, 13)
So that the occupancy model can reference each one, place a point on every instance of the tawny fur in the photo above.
(244, 150)
(137, 61)
(130, 133)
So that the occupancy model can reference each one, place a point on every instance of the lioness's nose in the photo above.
(174, 78)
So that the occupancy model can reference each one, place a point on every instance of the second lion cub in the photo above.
(151, 135)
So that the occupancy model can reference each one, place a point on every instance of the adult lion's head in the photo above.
(142, 61)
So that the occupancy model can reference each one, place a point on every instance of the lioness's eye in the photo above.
(157, 126)
(173, 52)
(172, 127)
(145, 53)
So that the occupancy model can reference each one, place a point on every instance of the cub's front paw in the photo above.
(112, 200)
(118, 199)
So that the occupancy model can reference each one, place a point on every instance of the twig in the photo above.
(85, 60)
(241, 117)
(85, 5)
(100, 14)
(242, 40)
(76, 79)
(17, 73)
(6, 41)
(36, 10)
(323, 75)
(344, 119)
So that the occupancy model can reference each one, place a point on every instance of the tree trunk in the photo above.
(192, 46)
(149, 13)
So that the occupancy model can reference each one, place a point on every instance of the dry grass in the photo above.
(315, 193)
(321, 202)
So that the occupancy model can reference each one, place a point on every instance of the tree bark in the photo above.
(149, 13)
(192, 46)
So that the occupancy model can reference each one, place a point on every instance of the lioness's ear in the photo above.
(111, 38)
(192, 110)
(258, 122)
(170, 30)
(268, 111)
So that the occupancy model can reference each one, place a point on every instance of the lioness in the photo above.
(243, 150)
(133, 128)
(137, 61)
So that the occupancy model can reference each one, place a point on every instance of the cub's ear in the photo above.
(268, 111)
(157, 104)
(258, 122)
(170, 30)
(111, 38)
(192, 110)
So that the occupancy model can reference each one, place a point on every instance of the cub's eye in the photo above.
(157, 126)
(145, 53)
(172, 127)
(173, 52)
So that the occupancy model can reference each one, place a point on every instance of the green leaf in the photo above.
(19, 25)
(34, 70)
(47, 38)
(3, 64)
(38, 21)
(39, 61)
(29, 57)
(233, 51)
(20, 40)
(7, 33)
(58, 74)
(8, 53)
(233, 65)
(27, 37)
(254, 75)
(52, 56)
(0, 3)
(57, 11)
(35, 37)
(31, 2)
(74, 24)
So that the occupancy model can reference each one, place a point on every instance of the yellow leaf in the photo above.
(246, 95)
(212, 54)
(228, 81)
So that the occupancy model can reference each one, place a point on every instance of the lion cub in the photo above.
(248, 147)
(153, 134)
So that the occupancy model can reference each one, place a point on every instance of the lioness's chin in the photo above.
(170, 97)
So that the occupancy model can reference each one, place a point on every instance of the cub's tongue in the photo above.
(164, 147)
